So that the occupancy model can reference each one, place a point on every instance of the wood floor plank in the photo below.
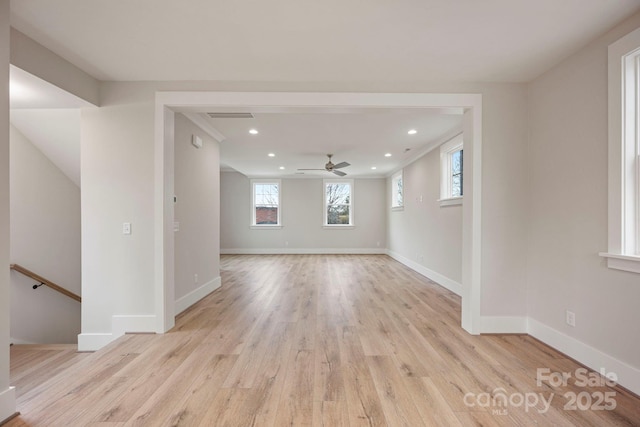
(296, 401)
(330, 414)
(363, 401)
(431, 404)
(308, 340)
(397, 404)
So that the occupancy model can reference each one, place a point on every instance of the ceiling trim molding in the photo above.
(427, 149)
(203, 124)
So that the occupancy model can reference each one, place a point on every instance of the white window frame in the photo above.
(624, 155)
(398, 176)
(447, 150)
(326, 182)
(254, 182)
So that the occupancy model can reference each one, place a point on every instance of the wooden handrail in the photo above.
(42, 280)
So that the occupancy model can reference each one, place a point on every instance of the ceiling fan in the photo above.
(330, 167)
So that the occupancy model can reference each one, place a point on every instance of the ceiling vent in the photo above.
(230, 115)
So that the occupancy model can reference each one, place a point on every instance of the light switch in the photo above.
(196, 141)
(126, 228)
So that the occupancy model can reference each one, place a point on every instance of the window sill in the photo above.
(622, 262)
(265, 227)
(337, 227)
(451, 201)
(397, 208)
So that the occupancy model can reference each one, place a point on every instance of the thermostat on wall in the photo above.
(196, 141)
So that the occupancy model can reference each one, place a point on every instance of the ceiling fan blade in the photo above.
(311, 169)
(339, 173)
(341, 165)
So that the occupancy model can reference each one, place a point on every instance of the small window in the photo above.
(338, 203)
(452, 171)
(397, 194)
(265, 209)
(624, 154)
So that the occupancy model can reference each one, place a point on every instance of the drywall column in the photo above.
(7, 394)
(117, 170)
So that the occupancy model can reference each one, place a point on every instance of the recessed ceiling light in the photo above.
(253, 132)
(281, 168)
(271, 155)
(373, 168)
(412, 132)
(388, 155)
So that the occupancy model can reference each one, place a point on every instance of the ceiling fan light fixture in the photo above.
(330, 167)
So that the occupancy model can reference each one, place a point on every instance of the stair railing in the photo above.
(42, 281)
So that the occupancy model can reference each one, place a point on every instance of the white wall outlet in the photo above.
(571, 318)
(126, 228)
(195, 278)
(176, 226)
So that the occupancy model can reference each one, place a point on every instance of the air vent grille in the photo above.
(230, 115)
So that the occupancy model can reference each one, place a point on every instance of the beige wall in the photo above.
(45, 238)
(568, 208)
(197, 187)
(40, 61)
(7, 394)
(424, 232)
(302, 218)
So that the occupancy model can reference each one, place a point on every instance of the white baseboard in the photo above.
(628, 376)
(303, 251)
(196, 295)
(120, 325)
(7, 403)
(93, 342)
(503, 325)
(441, 280)
(137, 323)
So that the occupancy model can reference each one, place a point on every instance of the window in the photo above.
(451, 171)
(338, 203)
(265, 209)
(397, 201)
(624, 154)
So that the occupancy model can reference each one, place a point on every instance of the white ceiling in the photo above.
(323, 41)
(329, 40)
(303, 140)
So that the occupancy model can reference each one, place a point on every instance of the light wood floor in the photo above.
(313, 340)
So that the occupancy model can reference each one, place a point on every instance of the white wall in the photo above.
(7, 394)
(197, 187)
(302, 218)
(117, 187)
(568, 212)
(45, 238)
(424, 234)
